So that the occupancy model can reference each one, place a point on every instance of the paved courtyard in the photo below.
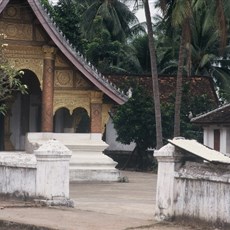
(98, 206)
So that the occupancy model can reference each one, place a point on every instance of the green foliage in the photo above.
(9, 79)
(206, 55)
(110, 56)
(100, 30)
(67, 17)
(47, 5)
(140, 43)
(135, 120)
(116, 18)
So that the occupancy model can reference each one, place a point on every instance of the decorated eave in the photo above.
(74, 56)
(220, 115)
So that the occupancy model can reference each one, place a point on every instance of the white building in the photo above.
(216, 126)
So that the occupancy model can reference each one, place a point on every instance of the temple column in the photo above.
(8, 146)
(48, 88)
(96, 112)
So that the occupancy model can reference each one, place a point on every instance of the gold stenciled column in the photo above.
(96, 112)
(48, 88)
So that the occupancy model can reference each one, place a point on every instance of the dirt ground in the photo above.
(98, 206)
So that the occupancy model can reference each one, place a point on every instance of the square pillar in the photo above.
(168, 160)
(96, 112)
(52, 179)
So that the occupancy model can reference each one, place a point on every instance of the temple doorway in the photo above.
(78, 122)
(25, 114)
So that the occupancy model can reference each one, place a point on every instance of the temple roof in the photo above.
(196, 85)
(77, 59)
(220, 115)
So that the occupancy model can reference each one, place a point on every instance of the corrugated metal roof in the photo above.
(195, 148)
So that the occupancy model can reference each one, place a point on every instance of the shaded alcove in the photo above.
(63, 121)
(81, 120)
(78, 122)
(26, 110)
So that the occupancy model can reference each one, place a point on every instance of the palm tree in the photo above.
(154, 73)
(205, 53)
(140, 44)
(156, 94)
(179, 14)
(117, 19)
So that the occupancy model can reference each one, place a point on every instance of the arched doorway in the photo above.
(26, 111)
(63, 121)
(81, 121)
(78, 122)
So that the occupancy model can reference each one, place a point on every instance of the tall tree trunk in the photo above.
(179, 84)
(156, 94)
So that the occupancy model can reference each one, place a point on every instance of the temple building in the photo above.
(66, 94)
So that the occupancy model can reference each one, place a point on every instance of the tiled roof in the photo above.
(220, 115)
(167, 85)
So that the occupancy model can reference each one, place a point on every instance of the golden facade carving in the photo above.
(17, 12)
(96, 97)
(24, 52)
(81, 83)
(60, 61)
(38, 35)
(71, 99)
(35, 65)
(17, 31)
(12, 11)
(49, 52)
(26, 57)
(63, 78)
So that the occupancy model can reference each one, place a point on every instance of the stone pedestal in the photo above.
(52, 178)
(87, 163)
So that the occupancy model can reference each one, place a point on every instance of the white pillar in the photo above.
(52, 179)
(167, 161)
(224, 140)
(206, 136)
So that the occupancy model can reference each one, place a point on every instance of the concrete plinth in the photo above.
(88, 163)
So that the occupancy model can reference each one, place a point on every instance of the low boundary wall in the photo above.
(43, 175)
(190, 188)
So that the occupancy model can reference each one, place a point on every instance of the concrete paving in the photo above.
(98, 206)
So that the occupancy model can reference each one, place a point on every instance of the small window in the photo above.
(217, 139)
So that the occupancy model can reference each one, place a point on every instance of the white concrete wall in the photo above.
(45, 174)
(191, 190)
(200, 193)
(17, 174)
